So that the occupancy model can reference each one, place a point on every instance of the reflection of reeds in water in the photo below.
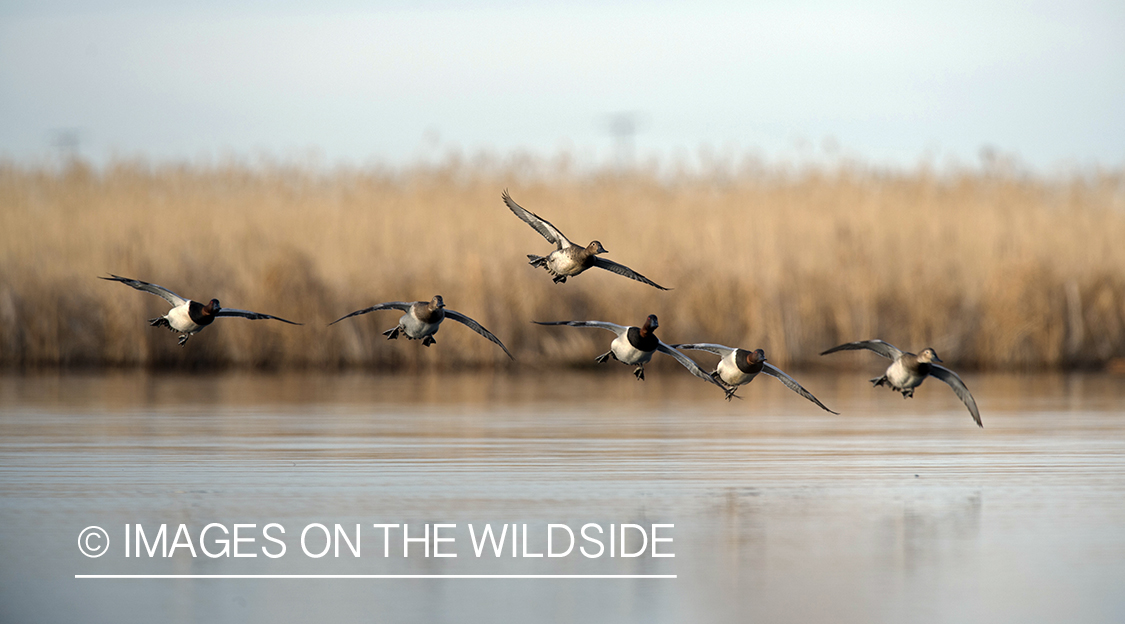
(991, 269)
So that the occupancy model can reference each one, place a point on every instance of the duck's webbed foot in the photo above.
(640, 372)
(428, 340)
(878, 381)
(908, 394)
(183, 338)
(560, 279)
(603, 358)
(392, 333)
(730, 392)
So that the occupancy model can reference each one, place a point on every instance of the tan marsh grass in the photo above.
(993, 269)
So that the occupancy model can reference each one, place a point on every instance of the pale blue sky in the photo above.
(356, 82)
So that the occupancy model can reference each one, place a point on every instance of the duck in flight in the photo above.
(636, 345)
(741, 366)
(907, 371)
(186, 316)
(422, 320)
(569, 259)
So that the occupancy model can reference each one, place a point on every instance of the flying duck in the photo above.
(186, 316)
(908, 371)
(422, 320)
(569, 259)
(741, 366)
(635, 345)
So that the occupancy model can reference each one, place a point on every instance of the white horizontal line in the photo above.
(375, 576)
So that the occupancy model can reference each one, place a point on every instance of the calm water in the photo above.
(894, 511)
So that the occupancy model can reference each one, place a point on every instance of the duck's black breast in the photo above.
(198, 316)
(741, 360)
(644, 343)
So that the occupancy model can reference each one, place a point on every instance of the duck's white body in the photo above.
(179, 319)
(625, 352)
(730, 373)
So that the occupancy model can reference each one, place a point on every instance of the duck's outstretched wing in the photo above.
(159, 291)
(959, 389)
(792, 384)
(689, 364)
(621, 269)
(255, 316)
(541, 225)
(717, 349)
(613, 327)
(884, 349)
(477, 327)
(390, 305)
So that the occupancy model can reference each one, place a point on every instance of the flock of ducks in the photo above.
(634, 346)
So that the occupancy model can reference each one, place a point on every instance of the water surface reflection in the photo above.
(894, 511)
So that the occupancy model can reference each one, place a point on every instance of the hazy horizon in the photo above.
(396, 83)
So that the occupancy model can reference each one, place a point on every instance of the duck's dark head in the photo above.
(595, 248)
(928, 355)
(212, 307)
(651, 323)
(437, 302)
(756, 356)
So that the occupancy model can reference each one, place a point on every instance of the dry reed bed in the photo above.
(993, 269)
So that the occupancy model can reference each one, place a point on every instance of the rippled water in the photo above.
(897, 510)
